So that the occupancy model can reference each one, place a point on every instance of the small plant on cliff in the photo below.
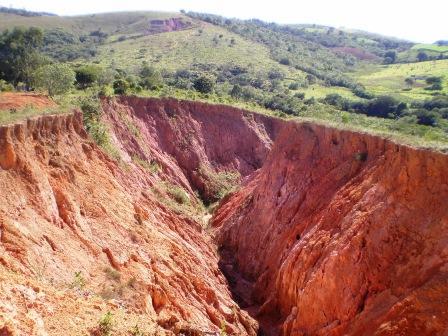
(361, 156)
(135, 331)
(92, 112)
(78, 281)
(105, 324)
(223, 331)
(112, 274)
(178, 194)
(218, 184)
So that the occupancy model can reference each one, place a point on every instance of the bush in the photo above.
(285, 61)
(151, 78)
(236, 91)
(87, 75)
(293, 86)
(384, 107)
(55, 78)
(204, 84)
(121, 86)
(5, 86)
(105, 324)
(427, 118)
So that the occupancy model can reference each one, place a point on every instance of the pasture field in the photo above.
(390, 79)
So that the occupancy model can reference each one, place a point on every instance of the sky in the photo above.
(414, 20)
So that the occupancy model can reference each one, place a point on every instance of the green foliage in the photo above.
(91, 108)
(55, 78)
(105, 324)
(178, 194)
(78, 281)
(204, 84)
(87, 75)
(135, 331)
(5, 86)
(153, 167)
(151, 78)
(236, 91)
(428, 118)
(121, 86)
(19, 56)
(422, 56)
(218, 184)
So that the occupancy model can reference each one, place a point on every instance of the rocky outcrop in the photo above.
(340, 233)
(157, 26)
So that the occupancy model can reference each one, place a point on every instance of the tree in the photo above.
(422, 56)
(204, 84)
(236, 91)
(19, 56)
(383, 107)
(87, 75)
(150, 77)
(121, 86)
(55, 78)
(390, 57)
(410, 81)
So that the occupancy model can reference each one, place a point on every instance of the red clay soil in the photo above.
(340, 233)
(14, 100)
(191, 140)
(66, 207)
(331, 233)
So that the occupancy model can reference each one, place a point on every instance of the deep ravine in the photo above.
(330, 232)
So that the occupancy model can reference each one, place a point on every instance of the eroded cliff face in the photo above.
(331, 232)
(340, 233)
(191, 140)
(82, 234)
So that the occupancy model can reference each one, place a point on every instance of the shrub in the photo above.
(204, 84)
(293, 86)
(121, 86)
(427, 118)
(151, 78)
(55, 78)
(5, 86)
(105, 324)
(285, 61)
(236, 91)
(384, 107)
(178, 194)
(78, 280)
(87, 75)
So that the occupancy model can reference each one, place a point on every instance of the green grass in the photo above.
(124, 22)
(319, 91)
(65, 104)
(390, 79)
(430, 47)
(182, 49)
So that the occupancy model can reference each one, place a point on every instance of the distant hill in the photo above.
(23, 12)
(265, 59)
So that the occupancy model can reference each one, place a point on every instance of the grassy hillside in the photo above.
(390, 79)
(110, 23)
(295, 70)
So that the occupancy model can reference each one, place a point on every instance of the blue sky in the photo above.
(420, 21)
